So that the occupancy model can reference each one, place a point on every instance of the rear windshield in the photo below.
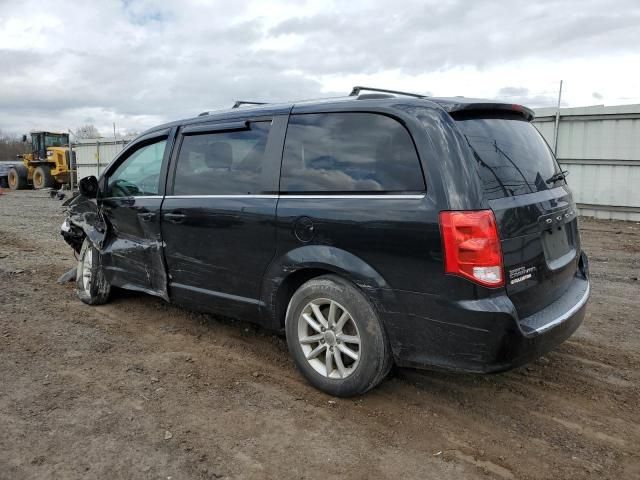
(512, 157)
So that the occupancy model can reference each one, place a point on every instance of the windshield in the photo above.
(55, 140)
(513, 159)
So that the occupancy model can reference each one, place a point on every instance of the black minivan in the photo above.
(373, 229)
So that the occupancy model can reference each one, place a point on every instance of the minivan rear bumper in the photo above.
(481, 336)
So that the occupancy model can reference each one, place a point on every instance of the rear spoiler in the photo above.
(464, 106)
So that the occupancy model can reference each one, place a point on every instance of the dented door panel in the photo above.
(124, 221)
(132, 252)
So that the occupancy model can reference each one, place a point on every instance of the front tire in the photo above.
(17, 178)
(42, 177)
(336, 338)
(91, 285)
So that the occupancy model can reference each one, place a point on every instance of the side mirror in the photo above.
(24, 138)
(88, 187)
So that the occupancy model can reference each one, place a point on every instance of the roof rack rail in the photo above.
(355, 91)
(243, 102)
(235, 105)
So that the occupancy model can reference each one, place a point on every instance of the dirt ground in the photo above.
(140, 389)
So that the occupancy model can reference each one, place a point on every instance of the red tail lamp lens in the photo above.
(472, 246)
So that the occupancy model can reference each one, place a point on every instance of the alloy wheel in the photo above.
(329, 338)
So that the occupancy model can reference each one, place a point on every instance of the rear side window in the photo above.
(349, 152)
(512, 157)
(222, 163)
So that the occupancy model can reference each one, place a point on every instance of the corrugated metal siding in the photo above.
(93, 155)
(546, 129)
(600, 147)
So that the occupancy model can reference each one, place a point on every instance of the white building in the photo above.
(600, 147)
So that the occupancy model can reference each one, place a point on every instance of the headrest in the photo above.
(218, 155)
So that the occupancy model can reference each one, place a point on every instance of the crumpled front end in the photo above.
(83, 220)
(130, 262)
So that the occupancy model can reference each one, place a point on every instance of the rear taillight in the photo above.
(472, 246)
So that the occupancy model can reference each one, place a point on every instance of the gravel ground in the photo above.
(141, 389)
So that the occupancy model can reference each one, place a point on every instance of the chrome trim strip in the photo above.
(358, 196)
(569, 313)
(222, 196)
(313, 197)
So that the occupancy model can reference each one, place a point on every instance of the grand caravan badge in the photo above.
(521, 274)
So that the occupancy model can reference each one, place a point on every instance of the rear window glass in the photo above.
(512, 157)
(349, 152)
(222, 163)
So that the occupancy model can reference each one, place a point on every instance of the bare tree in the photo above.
(12, 146)
(87, 131)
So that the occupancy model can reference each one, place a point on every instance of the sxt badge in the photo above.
(521, 274)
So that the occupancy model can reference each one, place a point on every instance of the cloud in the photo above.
(433, 35)
(523, 96)
(142, 62)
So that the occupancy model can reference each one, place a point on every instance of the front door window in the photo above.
(139, 174)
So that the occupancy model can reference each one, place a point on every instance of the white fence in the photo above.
(94, 154)
(600, 147)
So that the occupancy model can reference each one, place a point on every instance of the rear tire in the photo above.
(336, 338)
(91, 285)
(17, 177)
(42, 177)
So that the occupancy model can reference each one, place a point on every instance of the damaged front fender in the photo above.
(127, 237)
(83, 220)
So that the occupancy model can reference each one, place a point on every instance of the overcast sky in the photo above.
(140, 63)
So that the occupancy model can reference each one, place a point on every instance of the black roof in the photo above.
(381, 97)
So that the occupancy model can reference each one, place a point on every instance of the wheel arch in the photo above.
(289, 271)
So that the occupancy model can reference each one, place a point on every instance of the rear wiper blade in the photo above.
(557, 176)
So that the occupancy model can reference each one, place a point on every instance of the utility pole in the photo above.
(555, 131)
(72, 165)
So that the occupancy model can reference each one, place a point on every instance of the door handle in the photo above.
(174, 217)
(147, 216)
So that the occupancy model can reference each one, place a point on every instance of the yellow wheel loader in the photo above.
(48, 165)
